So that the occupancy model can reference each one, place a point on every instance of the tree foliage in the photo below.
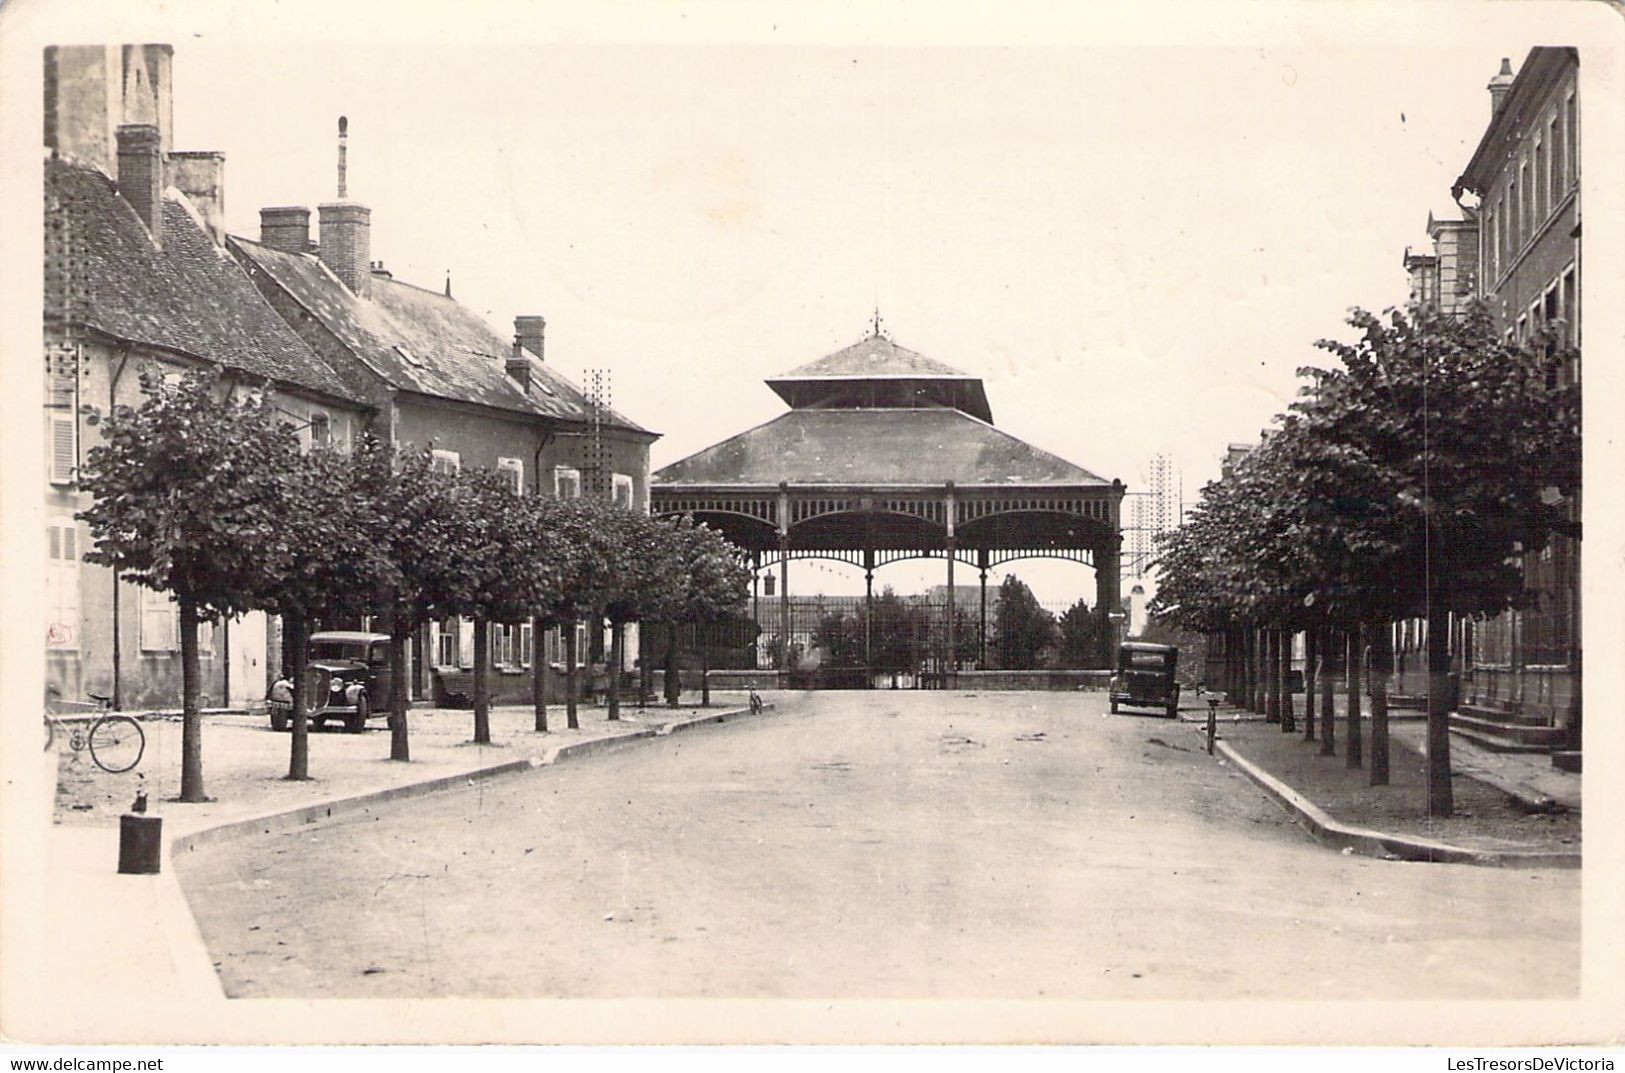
(187, 498)
(1023, 631)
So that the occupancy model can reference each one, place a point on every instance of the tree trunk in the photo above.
(399, 748)
(612, 694)
(482, 681)
(538, 672)
(1311, 648)
(1271, 651)
(1238, 673)
(1247, 668)
(705, 671)
(296, 630)
(673, 684)
(1284, 650)
(1351, 731)
(1382, 660)
(191, 709)
(1328, 717)
(570, 676)
(1440, 798)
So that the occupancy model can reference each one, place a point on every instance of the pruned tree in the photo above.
(1022, 629)
(187, 491)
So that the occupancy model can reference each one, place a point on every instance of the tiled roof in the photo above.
(874, 356)
(189, 296)
(874, 447)
(422, 341)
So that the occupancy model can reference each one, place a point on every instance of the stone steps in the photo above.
(1505, 737)
(1495, 714)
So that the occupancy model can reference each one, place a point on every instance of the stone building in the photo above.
(1523, 181)
(439, 376)
(136, 281)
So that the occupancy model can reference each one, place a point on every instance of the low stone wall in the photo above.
(1044, 680)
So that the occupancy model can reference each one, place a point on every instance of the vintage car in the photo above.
(1145, 677)
(347, 677)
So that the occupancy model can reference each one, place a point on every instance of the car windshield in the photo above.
(349, 650)
(1144, 661)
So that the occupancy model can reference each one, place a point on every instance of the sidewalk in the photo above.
(113, 952)
(1509, 809)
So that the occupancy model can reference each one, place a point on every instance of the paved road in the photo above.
(872, 845)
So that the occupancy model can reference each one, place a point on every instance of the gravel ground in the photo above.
(874, 845)
(245, 762)
(1485, 818)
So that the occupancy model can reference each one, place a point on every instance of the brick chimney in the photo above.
(518, 366)
(346, 229)
(528, 332)
(286, 228)
(141, 174)
(1499, 86)
(91, 90)
(201, 176)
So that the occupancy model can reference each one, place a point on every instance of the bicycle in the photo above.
(755, 702)
(116, 742)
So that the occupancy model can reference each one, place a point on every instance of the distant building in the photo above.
(1233, 455)
(439, 376)
(1525, 174)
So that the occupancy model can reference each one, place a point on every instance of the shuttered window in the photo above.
(62, 620)
(64, 447)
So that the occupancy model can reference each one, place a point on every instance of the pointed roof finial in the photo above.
(448, 283)
(877, 333)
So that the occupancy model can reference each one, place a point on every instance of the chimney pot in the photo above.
(346, 242)
(285, 228)
(201, 176)
(529, 332)
(518, 366)
(141, 174)
(1499, 86)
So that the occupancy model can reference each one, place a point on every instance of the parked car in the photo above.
(1145, 677)
(347, 677)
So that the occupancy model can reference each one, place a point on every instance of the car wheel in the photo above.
(357, 722)
(318, 724)
(1173, 711)
(1114, 707)
(279, 719)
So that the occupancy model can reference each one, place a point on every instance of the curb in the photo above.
(1381, 844)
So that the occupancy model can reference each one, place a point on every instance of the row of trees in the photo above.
(203, 492)
(1406, 481)
(1024, 635)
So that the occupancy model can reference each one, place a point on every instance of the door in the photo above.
(248, 676)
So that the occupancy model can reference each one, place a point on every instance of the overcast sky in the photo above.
(1135, 245)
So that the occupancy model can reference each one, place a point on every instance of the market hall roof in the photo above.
(186, 296)
(874, 447)
(424, 341)
(877, 373)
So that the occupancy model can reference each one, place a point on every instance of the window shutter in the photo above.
(63, 447)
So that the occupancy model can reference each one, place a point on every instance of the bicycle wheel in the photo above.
(116, 743)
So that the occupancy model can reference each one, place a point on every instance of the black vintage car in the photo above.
(347, 677)
(1145, 677)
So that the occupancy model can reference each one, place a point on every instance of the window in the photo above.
(566, 482)
(321, 429)
(515, 469)
(503, 640)
(161, 625)
(62, 586)
(525, 639)
(1571, 143)
(64, 450)
(623, 490)
(1571, 308)
(447, 461)
(1541, 194)
(445, 643)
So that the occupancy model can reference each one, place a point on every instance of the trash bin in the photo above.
(140, 839)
